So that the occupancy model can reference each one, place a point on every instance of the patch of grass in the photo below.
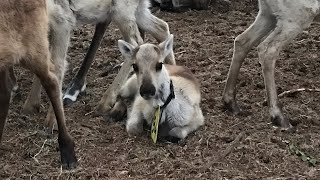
(303, 155)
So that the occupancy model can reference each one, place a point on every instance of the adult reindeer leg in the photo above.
(128, 26)
(158, 28)
(268, 52)
(147, 22)
(78, 84)
(110, 96)
(243, 43)
(6, 85)
(50, 83)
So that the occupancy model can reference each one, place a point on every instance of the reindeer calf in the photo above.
(171, 87)
(24, 40)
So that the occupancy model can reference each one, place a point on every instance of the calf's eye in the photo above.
(158, 66)
(135, 67)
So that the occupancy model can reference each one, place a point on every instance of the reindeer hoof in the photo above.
(173, 139)
(232, 107)
(283, 124)
(67, 102)
(118, 112)
(102, 110)
(31, 109)
(134, 130)
(69, 166)
(68, 157)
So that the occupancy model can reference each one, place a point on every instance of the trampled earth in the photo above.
(227, 147)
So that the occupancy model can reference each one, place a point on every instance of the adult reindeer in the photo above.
(24, 40)
(129, 16)
(279, 22)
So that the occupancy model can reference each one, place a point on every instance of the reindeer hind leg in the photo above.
(39, 65)
(32, 104)
(285, 31)
(243, 43)
(5, 95)
(158, 28)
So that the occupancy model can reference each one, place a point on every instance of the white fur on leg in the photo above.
(179, 132)
(130, 88)
(134, 125)
(75, 95)
(196, 121)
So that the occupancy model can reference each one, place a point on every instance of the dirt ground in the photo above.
(203, 42)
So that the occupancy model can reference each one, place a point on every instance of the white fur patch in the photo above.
(83, 87)
(72, 97)
(75, 95)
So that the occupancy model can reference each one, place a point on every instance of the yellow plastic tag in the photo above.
(155, 124)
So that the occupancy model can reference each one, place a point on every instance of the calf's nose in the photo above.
(147, 91)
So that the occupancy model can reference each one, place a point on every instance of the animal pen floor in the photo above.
(203, 42)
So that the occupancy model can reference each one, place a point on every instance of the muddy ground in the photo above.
(203, 42)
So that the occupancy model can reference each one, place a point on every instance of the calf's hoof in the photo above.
(134, 130)
(173, 139)
(104, 108)
(67, 153)
(118, 112)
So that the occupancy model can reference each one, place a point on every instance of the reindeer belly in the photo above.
(91, 12)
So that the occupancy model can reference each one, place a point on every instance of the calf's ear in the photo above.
(166, 47)
(125, 48)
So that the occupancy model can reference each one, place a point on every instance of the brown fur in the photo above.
(24, 40)
(181, 71)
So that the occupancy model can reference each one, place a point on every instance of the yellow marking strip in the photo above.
(155, 125)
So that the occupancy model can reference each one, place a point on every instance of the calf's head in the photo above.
(147, 62)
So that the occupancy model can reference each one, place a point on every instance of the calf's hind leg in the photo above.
(196, 121)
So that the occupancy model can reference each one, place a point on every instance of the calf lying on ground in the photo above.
(129, 16)
(24, 40)
(276, 25)
(154, 84)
